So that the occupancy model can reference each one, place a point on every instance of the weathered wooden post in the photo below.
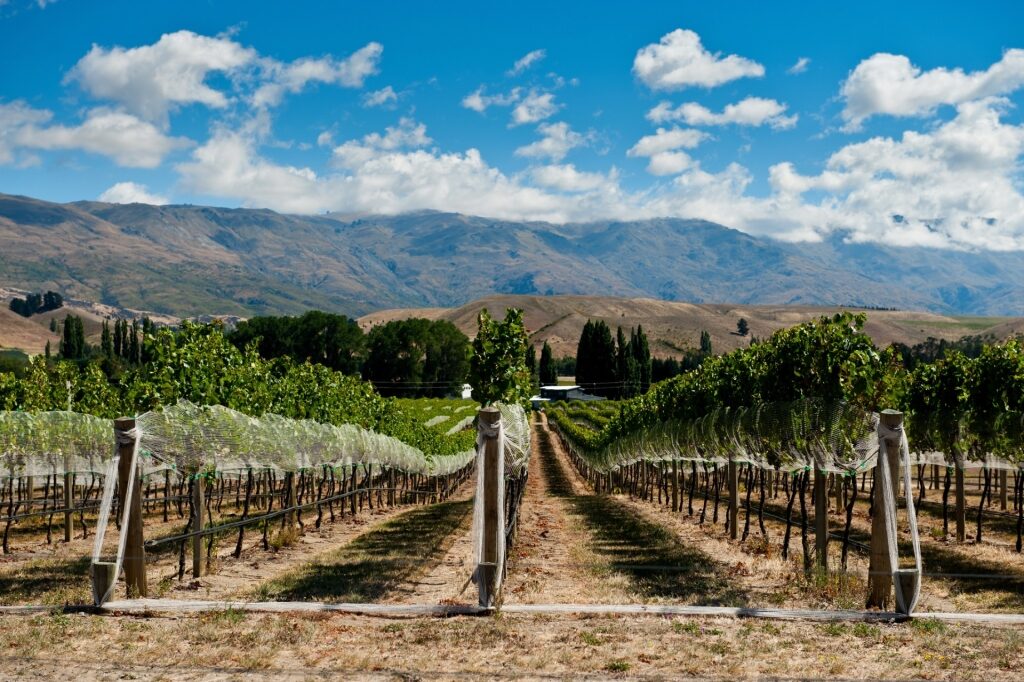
(821, 517)
(879, 569)
(675, 485)
(961, 504)
(487, 570)
(69, 499)
(734, 501)
(134, 547)
(198, 494)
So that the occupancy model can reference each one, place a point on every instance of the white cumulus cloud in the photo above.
(752, 111)
(952, 186)
(800, 66)
(132, 193)
(150, 79)
(566, 178)
(480, 102)
(526, 61)
(890, 84)
(379, 98)
(536, 106)
(128, 140)
(293, 77)
(557, 141)
(679, 61)
(662, 149)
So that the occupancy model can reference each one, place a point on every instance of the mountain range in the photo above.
(189, 260)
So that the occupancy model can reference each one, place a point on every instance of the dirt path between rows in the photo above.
(552, 560)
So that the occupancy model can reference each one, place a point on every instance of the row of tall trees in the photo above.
(614, 368)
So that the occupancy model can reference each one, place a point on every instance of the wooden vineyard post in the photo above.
(961, 505)
(1003, 481)
(879, 570)
(675, 485)
(734, 501)
(197, 525)
(134, 547)
(69, 498)
(487, 570)
(821, 517)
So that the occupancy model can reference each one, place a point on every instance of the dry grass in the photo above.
(229, 644)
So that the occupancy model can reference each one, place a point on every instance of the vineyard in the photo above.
(807, 478)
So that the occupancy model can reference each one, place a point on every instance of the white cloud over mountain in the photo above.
(132, 193)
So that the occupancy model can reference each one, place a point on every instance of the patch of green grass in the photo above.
(835, 629)
(866, 630)
(590, 639)
(689, 628)
(617, 665)
(227, 616)
(929, 625)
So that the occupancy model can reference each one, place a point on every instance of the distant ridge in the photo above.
(192, 260)
(674, 327)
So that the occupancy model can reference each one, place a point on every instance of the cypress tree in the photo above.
(705, 343)
(604, 371)
(531, 365)
(118, 339)
(548, 371)
(642, 356)
(135, 354)
(622, 368)
(584, 353)
(107, 342)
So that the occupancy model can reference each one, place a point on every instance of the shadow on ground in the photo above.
(654, 559)
(377, 562)
(46, 581)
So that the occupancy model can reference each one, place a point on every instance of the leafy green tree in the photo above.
(417, 357)
(498, 370)
(332, 340)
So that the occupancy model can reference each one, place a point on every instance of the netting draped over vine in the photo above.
(833, 436)
(51, 443)
(516, 430)
(188, 438)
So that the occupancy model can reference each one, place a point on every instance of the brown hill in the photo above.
(673, 327)
(25, 334)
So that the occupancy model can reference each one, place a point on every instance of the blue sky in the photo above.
(901, 123)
